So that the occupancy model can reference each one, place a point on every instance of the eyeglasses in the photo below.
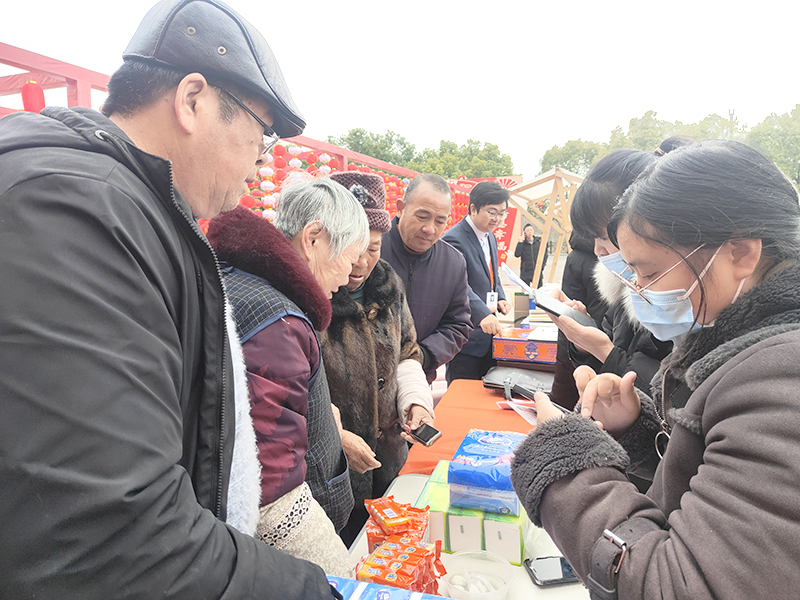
(493, 214)
(640, 290)
(270, 137)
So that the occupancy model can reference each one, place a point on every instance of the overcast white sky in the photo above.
(525, 74)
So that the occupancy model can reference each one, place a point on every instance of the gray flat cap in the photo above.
(208, 37)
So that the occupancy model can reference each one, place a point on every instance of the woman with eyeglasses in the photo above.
(711, 233)
(621, 343)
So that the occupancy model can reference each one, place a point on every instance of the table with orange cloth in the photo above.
(465, 405)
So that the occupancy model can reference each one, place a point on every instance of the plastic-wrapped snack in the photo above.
(388, 514)
(405, 563)
(417, 526)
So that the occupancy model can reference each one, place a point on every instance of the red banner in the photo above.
(504, 233)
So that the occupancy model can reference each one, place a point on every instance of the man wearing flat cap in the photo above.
(127, 458)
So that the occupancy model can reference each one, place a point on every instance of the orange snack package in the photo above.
(388, 514)
(406, 563)
(417, 526)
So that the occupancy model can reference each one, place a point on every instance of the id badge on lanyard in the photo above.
(491, 301)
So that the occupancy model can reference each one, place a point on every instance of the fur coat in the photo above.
(362, 349)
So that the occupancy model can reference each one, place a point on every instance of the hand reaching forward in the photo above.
(359, 455)
(610, 399)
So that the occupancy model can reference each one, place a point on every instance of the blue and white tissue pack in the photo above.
(480, 472)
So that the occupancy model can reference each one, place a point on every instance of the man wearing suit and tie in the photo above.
(473, 237)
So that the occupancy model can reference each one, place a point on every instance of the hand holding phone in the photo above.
(559, 309)
(425, 434)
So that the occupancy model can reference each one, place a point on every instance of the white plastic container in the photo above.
(486, 575)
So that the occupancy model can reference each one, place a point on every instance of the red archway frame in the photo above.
(48, 73)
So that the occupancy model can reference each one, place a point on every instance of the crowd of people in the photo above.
(190, 415)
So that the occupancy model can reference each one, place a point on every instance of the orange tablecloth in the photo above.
(465, 405)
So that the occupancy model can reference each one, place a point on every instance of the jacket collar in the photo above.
(400, 248)
(251, 243)
(770, 308)
(379, 293)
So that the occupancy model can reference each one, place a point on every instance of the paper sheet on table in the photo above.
(544, 333)
(526, 412)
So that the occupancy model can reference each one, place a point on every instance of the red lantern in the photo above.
(32, 97)
(364, 169)
(352, 167)
(333, 163)
(279, 150)
(256, 193)
(280, 175)
(280, 162)
(311, 158)
(312, 169)
(247, 201)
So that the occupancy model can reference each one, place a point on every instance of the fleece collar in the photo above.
(770, 308)
(244, 240)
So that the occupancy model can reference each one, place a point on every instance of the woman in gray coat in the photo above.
(712, 235)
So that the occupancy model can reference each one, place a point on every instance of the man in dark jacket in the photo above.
(527, 251)
(474, 238)
(119, 415)
(434, 273)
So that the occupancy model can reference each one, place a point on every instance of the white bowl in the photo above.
(482, 570)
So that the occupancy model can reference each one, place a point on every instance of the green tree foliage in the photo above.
(472, 159)
(779, 138)
(389, 146)
(648, 131)
(576, 156)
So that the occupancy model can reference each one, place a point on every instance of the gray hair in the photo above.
(323, 200)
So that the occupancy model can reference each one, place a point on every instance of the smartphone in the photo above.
(526, 392)
(550, 570)
(558, 308)
(424, 434)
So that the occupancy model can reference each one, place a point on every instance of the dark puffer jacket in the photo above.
(724, 507)
(116, 434)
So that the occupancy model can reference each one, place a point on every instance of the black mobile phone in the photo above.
(526, 392)
(558, 308)
(550, 570)
(425, 434)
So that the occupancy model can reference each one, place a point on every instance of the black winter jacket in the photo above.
(117, 426)
(437, 294)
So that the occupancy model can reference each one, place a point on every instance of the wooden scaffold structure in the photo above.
(546, 201)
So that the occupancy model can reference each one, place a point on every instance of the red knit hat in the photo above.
(370, 191)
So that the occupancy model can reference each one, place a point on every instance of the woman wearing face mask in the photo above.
(712, 235)
(621, 344)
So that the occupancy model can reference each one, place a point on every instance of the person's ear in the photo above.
(192, 97)
(401, 205)
(472, 210)
(745, 256)
(310, 236)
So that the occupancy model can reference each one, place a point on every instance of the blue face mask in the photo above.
(615, 264)
(669, 318)
(669, 315)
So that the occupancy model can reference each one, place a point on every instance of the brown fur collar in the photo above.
(251, 243)
(381, 291)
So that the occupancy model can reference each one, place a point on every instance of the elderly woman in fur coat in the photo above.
(373, 361)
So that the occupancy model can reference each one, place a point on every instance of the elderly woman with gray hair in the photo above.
(279, 279)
